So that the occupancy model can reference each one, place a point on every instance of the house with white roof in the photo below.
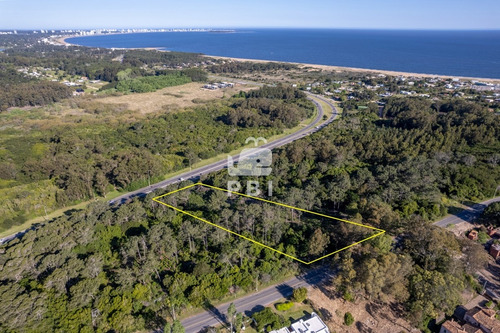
(281, 330)
(312, 325)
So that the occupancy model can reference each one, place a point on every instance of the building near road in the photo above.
(312, 325)
(484, 319)
(493, 232)
(477, 320)
(495, 250)
(281, 330)
(452, 326)
(473, 235)
(218, 85)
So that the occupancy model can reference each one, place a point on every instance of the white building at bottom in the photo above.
(281, 330)
(312, 325)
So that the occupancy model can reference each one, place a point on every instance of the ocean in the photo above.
(459, 53)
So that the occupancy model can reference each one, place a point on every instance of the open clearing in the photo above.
(171, 98)
(369, 317)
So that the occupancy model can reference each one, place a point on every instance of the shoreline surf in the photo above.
(63, 41)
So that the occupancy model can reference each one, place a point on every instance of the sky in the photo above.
(364, 14)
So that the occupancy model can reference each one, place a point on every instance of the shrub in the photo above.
(269, 320)
(348, 319)
(348, 296)
(472, 282)
(200, 100)
(482, 237)
(284, 306)
(299, 294)
(492, 213)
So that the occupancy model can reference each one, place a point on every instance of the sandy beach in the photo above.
(62, 41)
(363, 70)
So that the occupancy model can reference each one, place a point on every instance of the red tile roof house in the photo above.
(472, 235)
(483, 318)
(495, 250)
(493, 232)
(451, 326)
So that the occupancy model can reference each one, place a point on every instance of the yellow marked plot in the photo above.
(377, 231)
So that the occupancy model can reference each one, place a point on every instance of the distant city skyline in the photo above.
(342, 14)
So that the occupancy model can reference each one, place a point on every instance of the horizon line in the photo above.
(253, 27)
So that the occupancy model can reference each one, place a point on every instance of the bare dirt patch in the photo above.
(461, 229)
(171, 98)
(370, 317)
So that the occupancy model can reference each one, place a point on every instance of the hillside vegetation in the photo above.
(90, 158)
(135, 266)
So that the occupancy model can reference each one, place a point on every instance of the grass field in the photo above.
(52, 215)
(173, 97)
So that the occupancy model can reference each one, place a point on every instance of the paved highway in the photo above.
(217, 315)
(485, 277)
(248, 304)
(219, 165)
(467, 215)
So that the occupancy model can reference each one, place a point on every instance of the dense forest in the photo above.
(18, 90)
(136, 80)
(138, 265)
(259, 108)
(276, 226)
(32, 94)
(151, 83)
(78, 161)
(98, 64)
(247, 66)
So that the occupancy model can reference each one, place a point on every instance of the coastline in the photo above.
(62, 41)
(361, 70)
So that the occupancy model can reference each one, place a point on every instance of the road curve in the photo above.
(466, 215)
(213, 316)
(219, 165)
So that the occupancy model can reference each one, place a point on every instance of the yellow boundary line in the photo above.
(380, 231)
